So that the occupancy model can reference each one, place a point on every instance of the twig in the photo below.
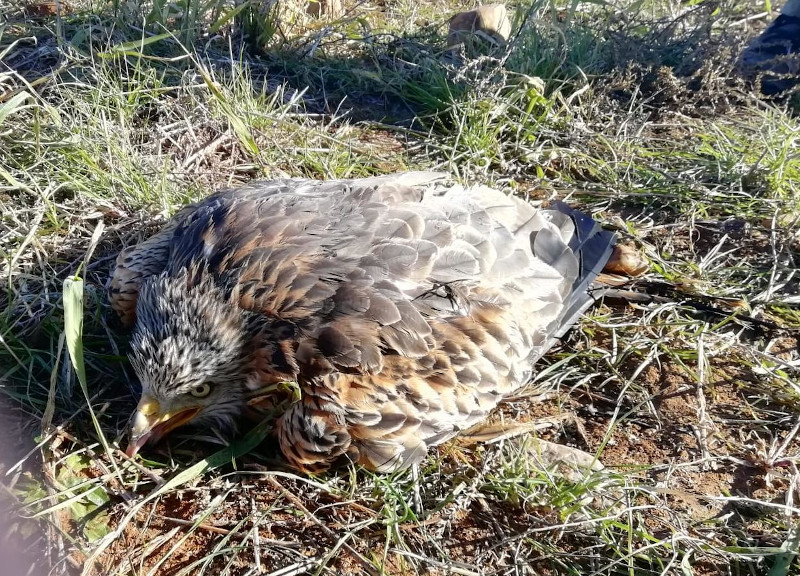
(256, 536)
(202, 525)
(454, 567)
(294, 569)
(703, 421)
(644, 298)
(299, 505)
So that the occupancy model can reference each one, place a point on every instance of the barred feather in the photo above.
(405, 308)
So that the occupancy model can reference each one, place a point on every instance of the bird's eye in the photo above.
(201, 390)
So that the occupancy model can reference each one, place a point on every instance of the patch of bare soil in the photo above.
(699, 445)
(693, 446)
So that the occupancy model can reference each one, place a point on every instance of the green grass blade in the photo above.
(783, 562)
(13, 105)
(73, 326)
(73, 333)
(239, 126)
(222, 457)
(227, 16)
(134, 46)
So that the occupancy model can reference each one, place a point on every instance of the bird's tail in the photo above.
(593, 246)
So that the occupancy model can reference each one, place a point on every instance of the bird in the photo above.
(405, 307)
(772, 57)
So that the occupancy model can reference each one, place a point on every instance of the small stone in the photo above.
(490, 21)
(330, 8)
(735, 228)
(572, 463)
(626, 261)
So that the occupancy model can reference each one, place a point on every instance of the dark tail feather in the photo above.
(771, 59)
(593, 246)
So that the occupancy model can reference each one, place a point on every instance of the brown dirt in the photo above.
(664, 445)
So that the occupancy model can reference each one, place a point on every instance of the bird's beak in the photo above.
(151, 424)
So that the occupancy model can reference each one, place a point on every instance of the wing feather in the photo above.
(413, 306)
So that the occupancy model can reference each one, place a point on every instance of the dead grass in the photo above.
(630, 110)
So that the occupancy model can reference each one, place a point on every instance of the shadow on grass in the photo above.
(359, 68)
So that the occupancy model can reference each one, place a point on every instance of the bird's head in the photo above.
(187, 350)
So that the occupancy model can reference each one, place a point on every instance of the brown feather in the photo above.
(405, 310)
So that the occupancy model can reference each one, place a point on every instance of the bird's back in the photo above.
(410, 307)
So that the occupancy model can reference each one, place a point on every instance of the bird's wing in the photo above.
(227, 224)
(413, 316)
(533, 271)
(405, 310)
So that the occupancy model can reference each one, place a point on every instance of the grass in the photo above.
(112, 117)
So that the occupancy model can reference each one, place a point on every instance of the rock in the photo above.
(626, 261)
(552, 454)
(490, 22)
(330, 8)
(43, 8)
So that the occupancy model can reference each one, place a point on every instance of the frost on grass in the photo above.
(630, 110)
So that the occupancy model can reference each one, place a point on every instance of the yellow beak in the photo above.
(150, 423)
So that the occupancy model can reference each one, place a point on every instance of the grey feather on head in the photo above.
(187, 347)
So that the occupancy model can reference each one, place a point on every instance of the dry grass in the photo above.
(631, 110)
